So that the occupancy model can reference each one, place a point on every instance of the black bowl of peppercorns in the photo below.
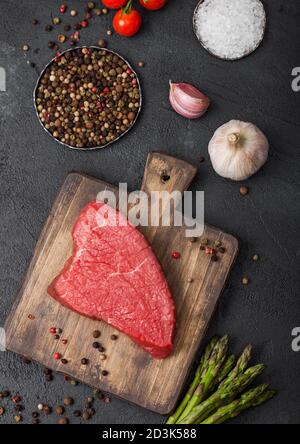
(88, 98)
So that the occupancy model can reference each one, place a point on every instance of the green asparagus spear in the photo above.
(204, 359)
(224, 395)
(208, 377)
(251, 398)
(241, 365)
(226, 369)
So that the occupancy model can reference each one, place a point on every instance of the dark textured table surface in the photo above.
(256, 89)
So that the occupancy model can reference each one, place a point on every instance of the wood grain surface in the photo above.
(133, 374)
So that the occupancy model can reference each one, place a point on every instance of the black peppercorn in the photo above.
(96, 345)
(77, 413)
(35, 22)
(214, 258)
(47, 371)
(49, 28)
(104, 372)
(35, 414)
(67, 28)
(114, 337)
(84, 361)
(64, 361)
(96, 334)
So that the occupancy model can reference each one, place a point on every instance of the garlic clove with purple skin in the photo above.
(188, 101)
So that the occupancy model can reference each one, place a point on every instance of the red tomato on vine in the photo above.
(114, 4)
(153, 5)
(127, 21)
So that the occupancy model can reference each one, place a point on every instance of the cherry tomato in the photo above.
(127, 21)
(153, 5)
(114, 4)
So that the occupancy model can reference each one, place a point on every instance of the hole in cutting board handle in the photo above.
(165, 178)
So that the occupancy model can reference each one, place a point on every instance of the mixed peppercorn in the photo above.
(88, 97)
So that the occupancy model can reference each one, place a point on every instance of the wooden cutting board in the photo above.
(133, 374)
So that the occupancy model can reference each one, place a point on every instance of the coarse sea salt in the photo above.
(230, 29)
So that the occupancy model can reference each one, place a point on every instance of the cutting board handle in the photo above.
(166, 173)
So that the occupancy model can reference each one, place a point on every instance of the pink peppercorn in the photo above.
(176, 255)
(57, 356)
(63, 9)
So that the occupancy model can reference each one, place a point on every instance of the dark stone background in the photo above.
(257, 89)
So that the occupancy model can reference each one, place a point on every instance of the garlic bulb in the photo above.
(187, 100)
(238, 150)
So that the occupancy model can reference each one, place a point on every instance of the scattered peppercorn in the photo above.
(204, 241)
(217, 243)
(63, 9)
(64, 361)
(103, 357)
(35, 22)
(190, 280)
(47, 371)
(35, 414)
(244, 191)
(47, 409)
(107, 399)
(91, 5)
(104, 372)
(2, 411)
(31, 317)
(73, 13)
(214, 258)
(245, 280)
(25, 48)
(98, 11)
(56, 337)
(49, 28)
(18, 408)
(255, 258)
(102, 43)
(96, 334)
(222, 250)
(86, 416)
(77, 413)
(18, 418)
(56, 20)
(104, 11)
(88, 405)
(31, 64)
(61, 38)
(114, 337)
(74, 382)
(209, 250)
(58, 331)
(16, 399)
(141, 64)
(101, 349)
(4, 394)
(96, 345)
(68, 401)
(84, 24)
(109, 32)
(40, 406)
(63, 421)
(84, 361)
(67, 28)
(60, 410)
(176, 255)
(64, 341)
(57, 356)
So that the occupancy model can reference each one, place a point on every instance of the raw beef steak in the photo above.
(114, 276)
